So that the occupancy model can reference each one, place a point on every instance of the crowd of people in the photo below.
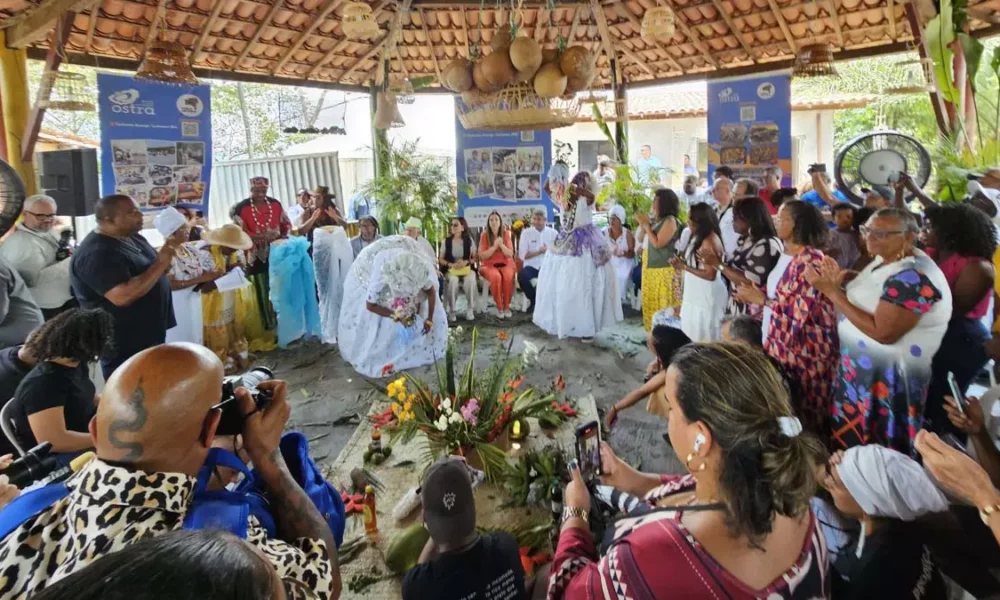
(811, 361)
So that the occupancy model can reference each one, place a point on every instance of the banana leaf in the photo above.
(940, 34)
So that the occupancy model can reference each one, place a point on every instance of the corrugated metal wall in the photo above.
(231, 180)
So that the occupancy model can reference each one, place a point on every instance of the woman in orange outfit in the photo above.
(496, 256)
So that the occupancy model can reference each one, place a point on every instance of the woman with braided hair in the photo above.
(56, 399)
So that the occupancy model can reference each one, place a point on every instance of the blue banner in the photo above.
(156, 141)
(504, 171)
(750, 125)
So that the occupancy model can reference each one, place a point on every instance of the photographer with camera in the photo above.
(155, 425)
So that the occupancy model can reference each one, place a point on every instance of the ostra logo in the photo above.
(126, 102)
(727, 96)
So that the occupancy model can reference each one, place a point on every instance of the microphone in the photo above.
(75, 466)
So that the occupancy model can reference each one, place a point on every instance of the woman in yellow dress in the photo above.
(659, 284)
(232, 319)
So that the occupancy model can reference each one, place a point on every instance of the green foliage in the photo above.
(531, 478)
(413, 185)
(940, 34)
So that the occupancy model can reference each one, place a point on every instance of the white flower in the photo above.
(530, 354)
(532, 473)
(446, 405)
(458, 330)
(455, 417)
(442, 423)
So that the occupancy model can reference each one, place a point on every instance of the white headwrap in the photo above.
(405, 274)
(886, 483)
(617, 211)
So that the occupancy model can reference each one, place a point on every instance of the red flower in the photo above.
(927, 291)
(880, 390)
(388, 369)
(516, 383)
(560, 384)
(503, 336)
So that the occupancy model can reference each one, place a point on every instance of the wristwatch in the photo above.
(570, 512)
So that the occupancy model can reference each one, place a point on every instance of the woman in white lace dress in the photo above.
(332, 258)
(623, 248)
(391, 320)
(577, 291)
(705, 293)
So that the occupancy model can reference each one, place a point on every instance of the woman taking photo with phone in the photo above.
(737, 526)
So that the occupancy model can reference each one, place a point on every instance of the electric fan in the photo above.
(876, 158)
(11, 197)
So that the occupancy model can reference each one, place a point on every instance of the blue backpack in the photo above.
(217, 509)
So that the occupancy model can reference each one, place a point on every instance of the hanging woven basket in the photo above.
(518, 107)
(65, 91)
(358, 22)
(657, 25)
(814, 60)
(166, 62)
(387, 112)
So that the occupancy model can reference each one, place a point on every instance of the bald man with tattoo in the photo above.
(152, 433)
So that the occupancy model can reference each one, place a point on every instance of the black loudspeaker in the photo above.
(70, 177)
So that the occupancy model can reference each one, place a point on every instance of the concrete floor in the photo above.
(324, 389)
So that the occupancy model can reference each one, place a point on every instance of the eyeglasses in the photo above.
(880, 234)
(41, 215)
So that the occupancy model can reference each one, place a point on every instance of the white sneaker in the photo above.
(451, 316)
(508, 314)
(469, 315)
(502, 314)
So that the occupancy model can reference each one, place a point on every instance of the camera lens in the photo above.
(255, 376)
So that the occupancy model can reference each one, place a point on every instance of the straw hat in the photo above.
(229, 236)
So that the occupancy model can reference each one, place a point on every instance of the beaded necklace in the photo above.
(253, 215)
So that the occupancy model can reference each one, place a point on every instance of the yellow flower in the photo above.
(395, 408)
(412, 398)
(410, 415)
(402, 396)
(391, 390)
(408, 404)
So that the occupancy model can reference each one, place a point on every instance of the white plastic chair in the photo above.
(7, 425)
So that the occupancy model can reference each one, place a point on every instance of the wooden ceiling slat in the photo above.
(430, 44)
(890, 14)
(328, 8)
(784, 26)
(602, 27)
(206, 30)
(738, 34)
(265, 22)
(691, 34)
(625, 12)
(831, 7)
(95, 14)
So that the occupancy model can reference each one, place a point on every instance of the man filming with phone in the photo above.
(155, 424)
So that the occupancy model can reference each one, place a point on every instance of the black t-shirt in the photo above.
(895, 563)
(49, 385)
(101, 263)
(489, 570)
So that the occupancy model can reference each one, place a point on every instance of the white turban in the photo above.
(406, 274)
(617, 211)
(886, 483)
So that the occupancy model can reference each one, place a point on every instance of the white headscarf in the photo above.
(886, 483)
(617, 211)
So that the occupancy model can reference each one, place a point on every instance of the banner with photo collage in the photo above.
(504, 171)
(750, 125)
(156, 141)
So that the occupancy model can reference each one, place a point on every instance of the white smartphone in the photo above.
(956, 393)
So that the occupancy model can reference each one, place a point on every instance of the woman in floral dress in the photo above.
(895, 312)
(800, 323)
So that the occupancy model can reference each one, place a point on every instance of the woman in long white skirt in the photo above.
(391, 320)
(332, 259)
(623, 248)
(577, 291)
(705, 293)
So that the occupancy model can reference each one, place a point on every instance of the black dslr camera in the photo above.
(231, 422)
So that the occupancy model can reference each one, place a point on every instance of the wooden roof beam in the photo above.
(381, 77)
(53, 58)
(430, 44)
(342, 43)
(328, 7)
(206, 30)
(776, 11)
(692, 35)
(574, 25)
(891, 14)
(39, 21)
(465, 33)
(831, 7)
(275, 7)
(367, 56)
(731, 24)
(95, 13)
(625, 12)
(605, 34)
(639, 61)
(158, 17)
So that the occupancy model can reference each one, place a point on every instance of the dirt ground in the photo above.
(325, 391)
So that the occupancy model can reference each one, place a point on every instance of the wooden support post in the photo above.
(937, 102)
(621, 107)
(53, 59)
(14, 96)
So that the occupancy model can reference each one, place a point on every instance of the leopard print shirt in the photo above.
(108, 508)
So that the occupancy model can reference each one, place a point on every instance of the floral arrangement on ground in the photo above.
(470, 409)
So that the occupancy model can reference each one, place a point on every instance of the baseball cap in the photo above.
(449, 506)
(881, 190)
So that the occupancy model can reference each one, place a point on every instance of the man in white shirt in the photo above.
(31, 250)
(722, 191)
(651, 169)
(535, 242)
